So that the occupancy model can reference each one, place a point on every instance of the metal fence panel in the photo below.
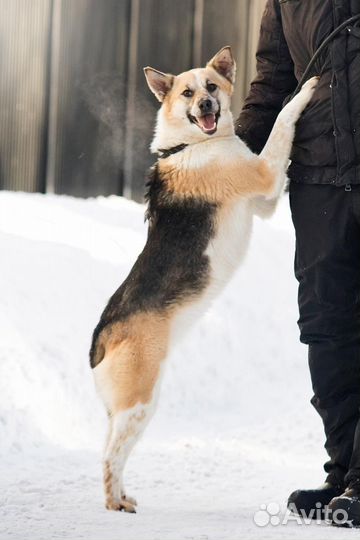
(90, 66)
(76, 115)
(24, 44)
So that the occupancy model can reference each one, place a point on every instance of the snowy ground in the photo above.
(234, 430)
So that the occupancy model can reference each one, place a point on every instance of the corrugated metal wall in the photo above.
(76, 116)
(24, 47)
(89, 65)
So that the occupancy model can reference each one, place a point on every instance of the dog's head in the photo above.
(196, 103)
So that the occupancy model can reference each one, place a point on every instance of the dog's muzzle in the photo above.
(207, 119)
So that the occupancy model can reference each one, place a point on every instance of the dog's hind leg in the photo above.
(125, 430)
(277, 149)
(128, 379)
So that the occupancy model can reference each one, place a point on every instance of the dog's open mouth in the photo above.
(207, 123)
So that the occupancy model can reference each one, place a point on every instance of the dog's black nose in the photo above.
(205, 106)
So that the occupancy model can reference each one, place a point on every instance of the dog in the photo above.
(202, 194)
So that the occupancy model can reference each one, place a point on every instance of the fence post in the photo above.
(130, 98)
(198, 32)
(53, 99)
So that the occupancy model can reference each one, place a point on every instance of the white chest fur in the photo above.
(229, 245)
(226, 251)
(233, 223)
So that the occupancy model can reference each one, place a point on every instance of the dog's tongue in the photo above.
(207, 122)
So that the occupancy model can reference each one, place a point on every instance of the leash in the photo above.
(346, 24)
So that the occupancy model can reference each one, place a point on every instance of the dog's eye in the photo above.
(211, 87)
(188, 93)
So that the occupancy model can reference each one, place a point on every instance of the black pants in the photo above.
(327, 266)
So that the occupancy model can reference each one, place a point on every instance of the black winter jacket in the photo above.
(327, 142)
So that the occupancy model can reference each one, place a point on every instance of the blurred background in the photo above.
(76, 116)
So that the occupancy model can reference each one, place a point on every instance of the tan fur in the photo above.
(134, 350)
(219, 182)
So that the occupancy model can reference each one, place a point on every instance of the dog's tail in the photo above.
(97, 351)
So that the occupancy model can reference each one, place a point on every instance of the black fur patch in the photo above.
(172, 266)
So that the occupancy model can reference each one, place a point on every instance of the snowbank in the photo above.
(234, 428)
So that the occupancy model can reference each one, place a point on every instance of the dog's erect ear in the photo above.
(159, 83)
(224, 63)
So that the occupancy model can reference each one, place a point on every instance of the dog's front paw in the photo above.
(311, 83)
(295, 107)
(308, 88)
(307, 91)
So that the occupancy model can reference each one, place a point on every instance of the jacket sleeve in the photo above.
(274, 81)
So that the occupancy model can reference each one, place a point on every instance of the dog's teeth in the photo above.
(207, 122)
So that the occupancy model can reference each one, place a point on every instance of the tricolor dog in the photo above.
(202, 195)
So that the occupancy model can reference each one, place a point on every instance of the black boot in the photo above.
(312, 503)
(345, 509)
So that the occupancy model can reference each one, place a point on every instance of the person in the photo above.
(325, 203)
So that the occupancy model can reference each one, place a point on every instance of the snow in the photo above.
(234, 429)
